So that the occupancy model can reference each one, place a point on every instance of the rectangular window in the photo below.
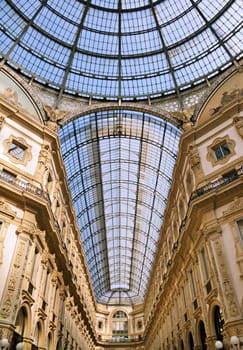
(204, 263)
(16, 150)
(183, 296)
(119, 328)
(192, 284)
(240, 229)
(47, 286)
(221, 150)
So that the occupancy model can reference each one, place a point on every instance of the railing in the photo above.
(24, 186)
(121, 340)
(214, 185)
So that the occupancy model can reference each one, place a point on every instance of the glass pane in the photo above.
(119, 166)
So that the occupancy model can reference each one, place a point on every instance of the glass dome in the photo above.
(120, 49)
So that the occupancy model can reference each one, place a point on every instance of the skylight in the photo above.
(119, 168)
(120, 49)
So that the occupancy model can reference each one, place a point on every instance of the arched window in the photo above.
(189, 184)
(49, 341)
(203, 336)
(191, 341)
(59, 344)
(218, 323)
(36, 336)
(20, 324)
(120, 325)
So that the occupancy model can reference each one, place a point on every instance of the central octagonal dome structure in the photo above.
(120, 49)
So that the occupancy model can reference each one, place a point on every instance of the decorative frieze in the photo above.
(228, 291)
(8, 302)
(237, 204)
(6, 209)
(2, 120)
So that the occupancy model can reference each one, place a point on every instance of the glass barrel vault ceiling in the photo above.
(120, 49)
(119, 167)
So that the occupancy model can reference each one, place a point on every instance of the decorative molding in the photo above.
(2, 120)
(44, 257)
(41, 314)
(228, 291)
(238, 121)
(52, 326)
(28, 90)
(211, 229)
(237, 204)
(211, 154)
(238, 246)
(27, 298)
(54, 115)
(8, 300)
(210, 90)
(194, 156)
(6, 209)
(151, 109)
(27, 154)
(44, 157)
(212, 296)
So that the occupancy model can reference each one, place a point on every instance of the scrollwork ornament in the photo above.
(5, 309)
(7, 301)
(226, 283)
(54, 276)
(194, 156)
(44, 257)
(238, 121)
(2, 121)
(44, 157)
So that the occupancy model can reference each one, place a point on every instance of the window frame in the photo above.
(218, 143)
(21, 143)
(240, 230)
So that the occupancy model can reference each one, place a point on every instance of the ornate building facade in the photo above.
(121, 175)
(195, 291)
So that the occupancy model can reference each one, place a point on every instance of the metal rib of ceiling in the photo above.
(120, 49)
(119, 167)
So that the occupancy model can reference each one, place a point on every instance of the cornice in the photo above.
(29, 91)
(212, 88)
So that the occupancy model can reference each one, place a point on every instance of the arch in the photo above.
(22, 325)
(23, 315)
(190, 341)
(49, 341)
(18, 93)
(181, 344)
(119, 324)
(202, 336)
(211, 100)
(120, 314)
(38, 336)
(59, 344)
(218, 322)
(90, 145)
(189, 183)
(152, 110)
